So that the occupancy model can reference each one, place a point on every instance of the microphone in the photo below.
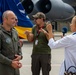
(64, 30)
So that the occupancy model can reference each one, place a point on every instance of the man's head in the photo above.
(73, 24)
(9, 18)
(39, 18)
(39, 15)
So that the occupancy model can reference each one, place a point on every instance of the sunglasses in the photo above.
(36, 18)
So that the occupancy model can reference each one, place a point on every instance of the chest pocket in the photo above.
(6, 41)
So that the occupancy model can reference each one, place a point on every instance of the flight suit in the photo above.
(9, 46)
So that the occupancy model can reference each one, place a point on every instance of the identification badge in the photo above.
(36, 42)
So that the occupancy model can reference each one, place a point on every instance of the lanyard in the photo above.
(38, 31)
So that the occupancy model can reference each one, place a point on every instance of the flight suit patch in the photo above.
(8, 40)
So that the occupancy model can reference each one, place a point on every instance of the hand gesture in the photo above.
(27, 32)
(29, 35)
(48, 33)
(17, 57)
(16, 64)
(45, 32)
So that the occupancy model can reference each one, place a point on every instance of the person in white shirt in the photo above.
(68, 43)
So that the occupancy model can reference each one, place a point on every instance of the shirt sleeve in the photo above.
(19, 48)
(63, 42)
(4, 59)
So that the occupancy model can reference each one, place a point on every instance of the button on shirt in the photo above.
(69, 43)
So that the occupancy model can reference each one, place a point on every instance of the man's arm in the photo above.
(4, 59)
(19, 55)
(48, 33)
(29, 35)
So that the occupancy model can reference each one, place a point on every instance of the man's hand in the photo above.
(48, 33)
(45, 32)
(17, 57)
(29, 36)
(27, 32)
(16, 64)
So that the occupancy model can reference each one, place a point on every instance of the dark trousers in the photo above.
(41, 61)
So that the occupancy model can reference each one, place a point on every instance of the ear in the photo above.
(4, 19)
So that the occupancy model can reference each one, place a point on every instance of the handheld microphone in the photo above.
(64, 30)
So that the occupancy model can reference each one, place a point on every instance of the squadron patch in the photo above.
(8, 40)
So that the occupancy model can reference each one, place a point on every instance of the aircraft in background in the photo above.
(55, 10)
(72, 3)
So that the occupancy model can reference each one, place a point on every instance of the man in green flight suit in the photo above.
(41, 54)
(10, 50)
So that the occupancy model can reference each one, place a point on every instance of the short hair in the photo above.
(5, 14)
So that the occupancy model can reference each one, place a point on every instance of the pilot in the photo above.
(10, 50)
(41, 53)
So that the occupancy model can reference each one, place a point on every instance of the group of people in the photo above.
(43, 41)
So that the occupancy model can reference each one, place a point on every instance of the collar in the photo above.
(74, 33)
(7, 32)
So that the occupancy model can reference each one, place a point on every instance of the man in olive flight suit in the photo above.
(10, 50)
